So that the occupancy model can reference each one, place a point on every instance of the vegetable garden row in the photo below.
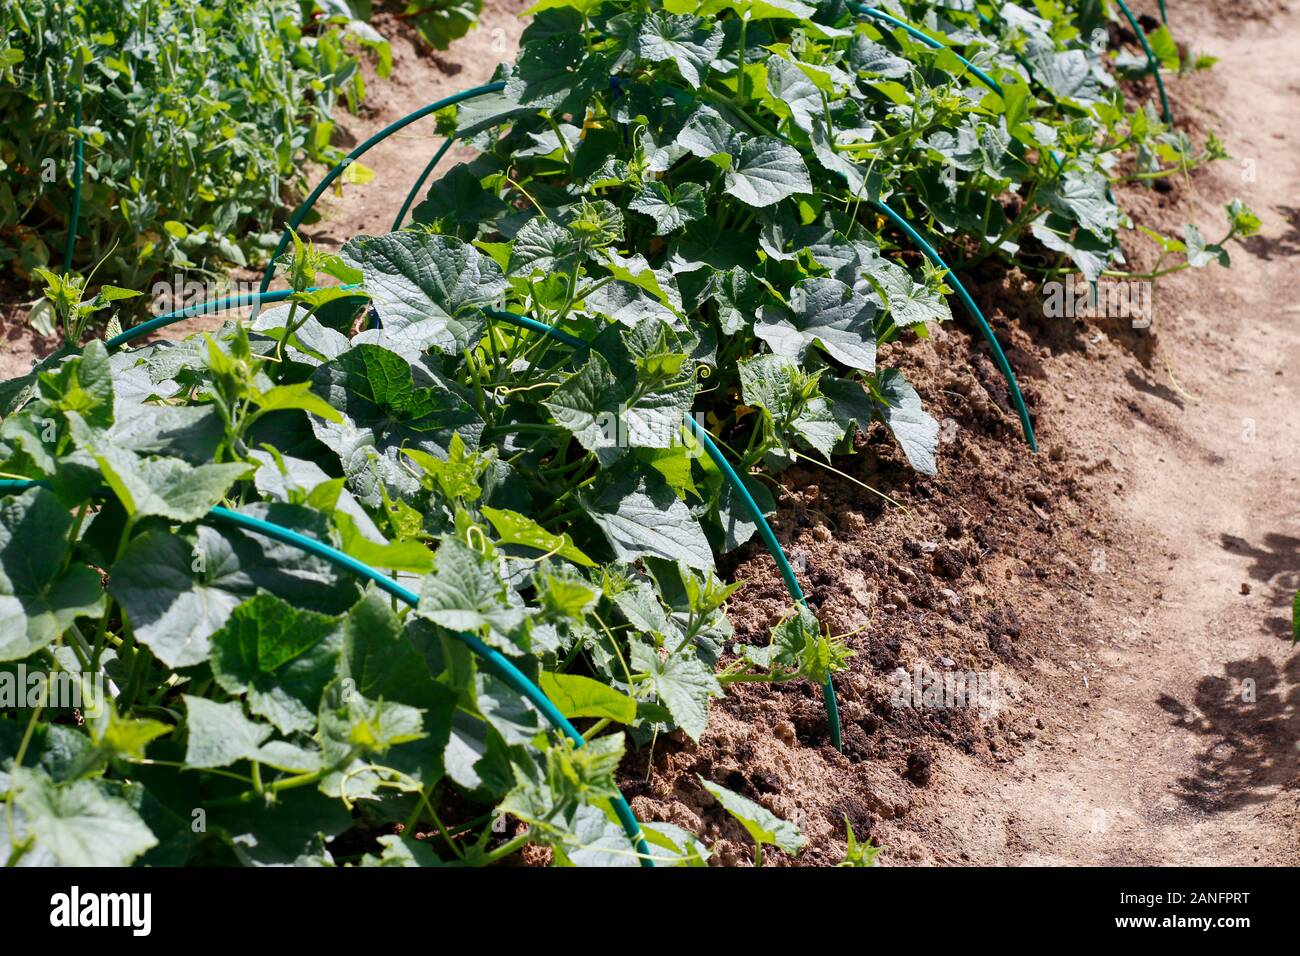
(360, 567)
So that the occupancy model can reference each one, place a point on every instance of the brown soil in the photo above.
(1130, 586)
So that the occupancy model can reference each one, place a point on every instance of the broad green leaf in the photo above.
(682, 681)
(682, 40)
(1083, 197)
(298, 395)
(590, 404)
(555, 73)
(279, 657)
(219, 734)
(458, 475)
(763, 826)
(460, 198)
(542, 245)
(379, 659)
(579, 696)
(164, 487)
(465, 594)
(410, 556)
(684, 846)
(436, 283)
(641, 516)
(594, 840)
(514, 528)
(670, 208)
(38, 598)
(766, 172)
(827, 313)
(793, 92)
(351, 725)
(1067, 74)
(1089, 252)
(177, 593)
(80, 823)
(403, 851)
(82, 384)
(707, 135)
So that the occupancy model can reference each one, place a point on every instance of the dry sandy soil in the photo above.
(1129, 586)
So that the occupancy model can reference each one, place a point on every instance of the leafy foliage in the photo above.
(197, 120)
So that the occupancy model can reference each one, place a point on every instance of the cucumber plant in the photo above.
(196, 121)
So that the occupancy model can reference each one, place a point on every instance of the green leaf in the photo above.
(707, 135)
(542, 245)
(121, 736)
(1067, 74)
(579, 696)
(793, 93)
(351, 724)
(642, 516)
(280, 657)
(825, 312)
(589, 403)
(670, 208)
(766, 172)
(465, 594)
(683, 683)
(763, 826)
(298, 395)
(459, 197)
(899, 407)
(555, 73)
(1083, 197)
(79, 824)
(38, 598)
(514, 528)
(380, 659)
(165, 487)
(1201, 253)
(1090, 253)
(177, 593)
(435, 284)
(1164, 47)
(402, 851)
(681, 40)
(82, 384)
(458, 475)
(219, 734)
(1295, 619)
(410, 556)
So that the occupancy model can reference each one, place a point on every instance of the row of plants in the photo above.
(192, 125)
(684, 191)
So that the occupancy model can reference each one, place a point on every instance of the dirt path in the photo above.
(1175, 757)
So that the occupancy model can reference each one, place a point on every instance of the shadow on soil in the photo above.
(1249, 718)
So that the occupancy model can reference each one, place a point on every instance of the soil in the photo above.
(1128, 589)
